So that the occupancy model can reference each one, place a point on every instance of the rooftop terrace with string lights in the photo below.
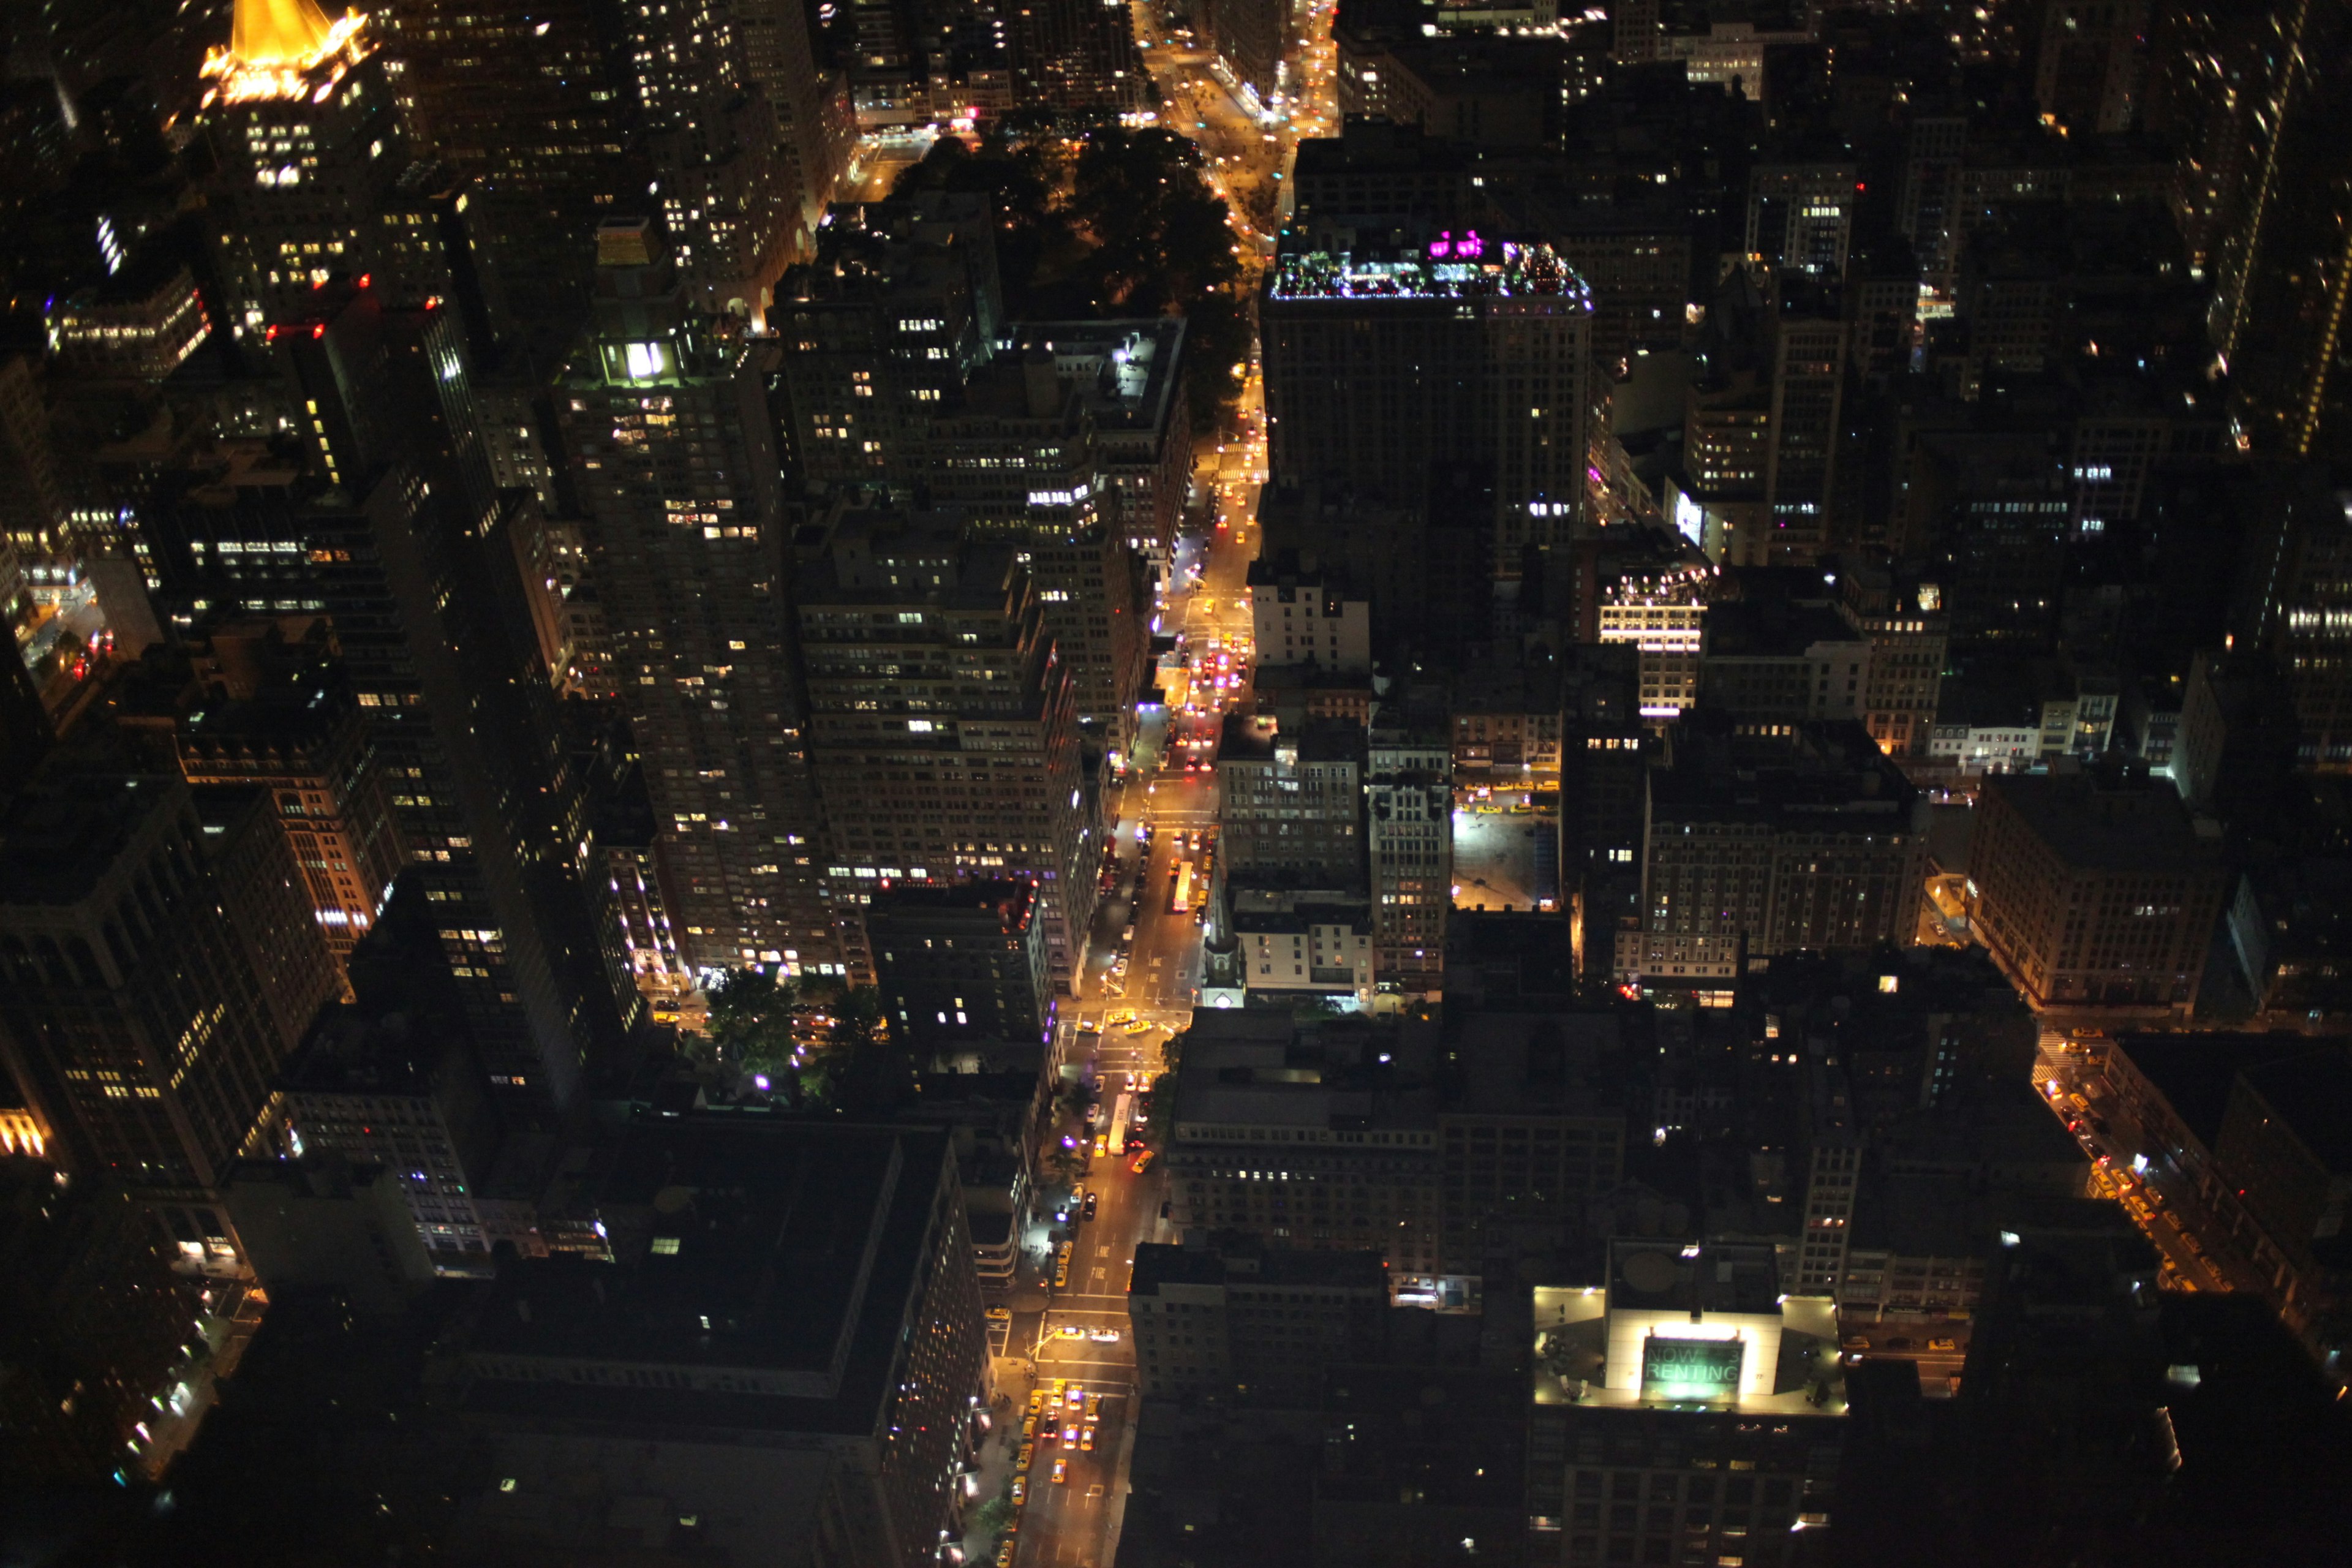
(1448, 268)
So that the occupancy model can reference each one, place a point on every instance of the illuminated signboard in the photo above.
(1691, 1369)
(1689, 519)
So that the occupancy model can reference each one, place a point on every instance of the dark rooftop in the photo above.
(1233, 1258)
(2121, 823)
(1720, 1277)
(761, 1271)
(57, 842)
(2311, 1093)
(2194, 1072)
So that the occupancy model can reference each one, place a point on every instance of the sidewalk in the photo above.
(995, 1473)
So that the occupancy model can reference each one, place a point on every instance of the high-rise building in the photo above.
(899, 309)
(1773, 659)
(301, 120)
(1605, 751)
(1081, 54)
(2283, 273)
(35, 498)
(1801, 217)
(1228, 1317)
(1378, 368)
(725, 173)
(1533, 1126)
(780, 59)
(2095, 891)
(1809, 354)
(835, 1397)
(1302, 614)
(1300, 1134)
(131, 1011)
(1927, 211)
(663, 411)
(305, 740)
(1909, 636)
(942, 722)
(1130, 375)
(529, 101)
(2086, 79)
(962, 964)
(414, 561)
(1249, 36)
(1776, 837)
(268, 903)
(1409, 841)
(2206, 58)
(1017, 455)
(2297, 575)
(1648, 592)
(398, 1088)
(1293, 801)
(1290, 940)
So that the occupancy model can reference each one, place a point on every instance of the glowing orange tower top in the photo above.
(285, 49)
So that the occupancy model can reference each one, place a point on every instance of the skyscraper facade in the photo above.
(301, 120)
(2285, 275)
(415, 564)
(900, 306)
(130, 1008)
(1379, 367)
(1018, 455)
(943, 719)
(665, 416)
(528, 99)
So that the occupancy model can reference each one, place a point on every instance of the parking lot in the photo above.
(1494, 855)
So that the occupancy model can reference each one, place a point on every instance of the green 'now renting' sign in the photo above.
(1691, 1369)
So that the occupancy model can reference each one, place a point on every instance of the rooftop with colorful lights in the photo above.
(1448, 268)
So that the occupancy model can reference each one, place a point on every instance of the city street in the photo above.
(2197, 1253)
(1136, 991)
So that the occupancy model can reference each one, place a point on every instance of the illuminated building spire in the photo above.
(284, 49)
(278, 31)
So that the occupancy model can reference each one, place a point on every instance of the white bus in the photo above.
(1122, 1112)
(1183, 899)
